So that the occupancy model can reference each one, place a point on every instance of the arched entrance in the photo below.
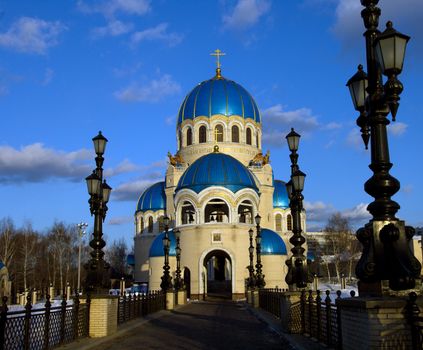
(217, 276)
(187, 281)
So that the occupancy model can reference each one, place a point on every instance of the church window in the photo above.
(180, 139)
(245, 212)
(218, 133)
(216, 211)
(161, 223)
(150, 224)
(187, 213)
(249, 136)
(235, 134)
(289, 222)
(278, 222)
(202, 134)
(141, 225)
(189, 137)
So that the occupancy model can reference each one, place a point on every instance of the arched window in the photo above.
(141, 225)
(180, 139)
(218, 133)
(189, 137)
(245, 212)
(161, 223)
(202, 134)
(248, 136)
(216, 211)
(187, 213)
(278, 222)
(289, 222)
(235, 134)
(150, 224)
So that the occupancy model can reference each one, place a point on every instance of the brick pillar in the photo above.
(374, 323)
(256, 298)
(103, 315)
(170, 300)
(182, 297)
(291, 312)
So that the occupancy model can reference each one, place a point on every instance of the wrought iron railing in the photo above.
(131, 306)
(312, 316)
(43, 328)
(416, 321)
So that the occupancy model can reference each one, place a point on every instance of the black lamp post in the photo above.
(260, 283)
(297, 264)
(99, 192)
(386, 251)
(251, 279)
(166, 278)
(179, 285)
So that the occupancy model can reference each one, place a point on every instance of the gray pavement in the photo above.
(212, 324)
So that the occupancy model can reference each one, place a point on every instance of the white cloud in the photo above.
(397, 128)
(120, 220)
(125, 166)
(32, 35)
(349, 25)
(48, 76)
(245, 14)
(158, 32)
(110, 8)
(153, 91)
(277, 122)
(36, 163)
(332, 126)
(354, 139)
(113, 28)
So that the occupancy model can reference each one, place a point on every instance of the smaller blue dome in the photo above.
(2, 264)
(153, 198)
(130, 260)
(156, 248)
(280, 195)
(310, 256)
(272, 243)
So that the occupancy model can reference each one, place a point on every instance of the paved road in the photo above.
(201, 325)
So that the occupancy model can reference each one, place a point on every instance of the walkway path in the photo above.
(200, 325)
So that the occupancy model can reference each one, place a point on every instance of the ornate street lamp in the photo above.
(385, 239)
(99, 192)
(251, 279)
(166, 278)
(298, 273)
(179, 284)
(260, 283)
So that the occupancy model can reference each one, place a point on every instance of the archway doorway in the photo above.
(218, 274)
(187, 281)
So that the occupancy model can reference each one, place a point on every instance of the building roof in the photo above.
(153, 198)
(218, 96)
(280, 195)
(156, 248)
(217, 169)
(272, 243)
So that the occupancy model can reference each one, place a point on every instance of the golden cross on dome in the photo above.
(217, 53)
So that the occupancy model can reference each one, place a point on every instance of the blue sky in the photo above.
(71, 68)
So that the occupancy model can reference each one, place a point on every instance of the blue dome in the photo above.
(280, 195)
(217, 169)
(272, 243)
(2, 264)
(130, 259)
(310, 256)
(156, 248)
(153, 198)
(218, 96)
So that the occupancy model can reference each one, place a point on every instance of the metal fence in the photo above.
(43, 328)
(416, 322)
(131, 306)
(312, 316)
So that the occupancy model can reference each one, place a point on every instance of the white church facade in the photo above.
(215, 184)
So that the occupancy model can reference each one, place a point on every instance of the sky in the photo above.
(71, 68)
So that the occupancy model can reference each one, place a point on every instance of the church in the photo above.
(216, 182)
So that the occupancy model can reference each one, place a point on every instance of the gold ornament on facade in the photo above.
(260, 159)
(175, 160)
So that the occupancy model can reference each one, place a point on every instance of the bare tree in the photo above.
(7, 241)
(116, 256)
(29, 240)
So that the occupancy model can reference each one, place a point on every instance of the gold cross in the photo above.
(218, 53)
(216, 134)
